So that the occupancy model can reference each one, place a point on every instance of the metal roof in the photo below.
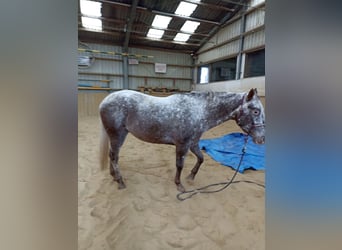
(126, 23)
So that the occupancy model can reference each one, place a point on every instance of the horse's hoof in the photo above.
(121, 185)
(190, 177)
(180, 188)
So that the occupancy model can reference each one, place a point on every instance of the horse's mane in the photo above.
(209, 94)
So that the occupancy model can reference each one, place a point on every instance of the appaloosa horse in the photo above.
(179, 119)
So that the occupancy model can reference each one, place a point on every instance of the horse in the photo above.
(179, 119)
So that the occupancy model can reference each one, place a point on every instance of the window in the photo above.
(204, 74)
(218, 71)
(255, 63)
(223, 70)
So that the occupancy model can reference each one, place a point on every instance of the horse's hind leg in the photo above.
(196, 150)
(116, 142)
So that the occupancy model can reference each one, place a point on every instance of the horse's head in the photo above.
(250, 117)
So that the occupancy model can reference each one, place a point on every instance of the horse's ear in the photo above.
(251, 93)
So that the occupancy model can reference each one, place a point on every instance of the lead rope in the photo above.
(191, 193)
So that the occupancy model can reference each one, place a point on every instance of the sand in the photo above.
(147, 215)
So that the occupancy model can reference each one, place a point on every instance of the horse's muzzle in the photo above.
(259, 140)
(257, 131)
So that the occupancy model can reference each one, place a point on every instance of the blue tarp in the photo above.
(227, 150)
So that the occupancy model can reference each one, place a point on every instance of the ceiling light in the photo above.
(90, 8)
(181, 37)
(161, 21)
(190, 26)
(153, 33)
(91, 23)
(185, 9)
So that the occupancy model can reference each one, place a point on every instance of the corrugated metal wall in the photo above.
(163, 57)
(231, 48)
(255, 19)
(109, 67)
(217, 47)
(178, 68)
(178, 74)
(254, 40)
(88, 103)
(226, 33)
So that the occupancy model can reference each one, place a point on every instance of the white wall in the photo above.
(241, 85)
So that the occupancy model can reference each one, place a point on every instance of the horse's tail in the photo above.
(104, 148)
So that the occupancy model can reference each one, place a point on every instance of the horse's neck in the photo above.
(220, 108)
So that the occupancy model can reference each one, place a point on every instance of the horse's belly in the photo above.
(154, 139)
(154, 133)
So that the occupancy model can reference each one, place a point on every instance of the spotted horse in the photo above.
(179, 119)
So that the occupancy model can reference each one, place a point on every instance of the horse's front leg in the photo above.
(196, 150)
(181, 151)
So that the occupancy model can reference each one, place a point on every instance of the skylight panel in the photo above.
(93, 9)
(181, 37)
(90, 8)
(190, 26)
(161, 21)
(185, 9)
(91, 23)
(256, 2)
(153, 33)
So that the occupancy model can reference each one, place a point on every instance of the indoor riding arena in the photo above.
(161, 49)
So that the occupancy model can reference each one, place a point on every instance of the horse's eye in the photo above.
(256, 112)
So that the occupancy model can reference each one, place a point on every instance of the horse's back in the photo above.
(117, 96)
(124, 102)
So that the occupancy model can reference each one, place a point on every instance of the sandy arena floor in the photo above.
(147, 215)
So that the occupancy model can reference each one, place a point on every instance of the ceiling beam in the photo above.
(140, 26)
(120, 30)
(223, 20)
(139, 8)
(241, 3)
(138, 46)
(169, 41)
(104, 19)
(209, 5)
(173, 30)
(140, 37)
(129, 24)
(185, 17)
(114, 32)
